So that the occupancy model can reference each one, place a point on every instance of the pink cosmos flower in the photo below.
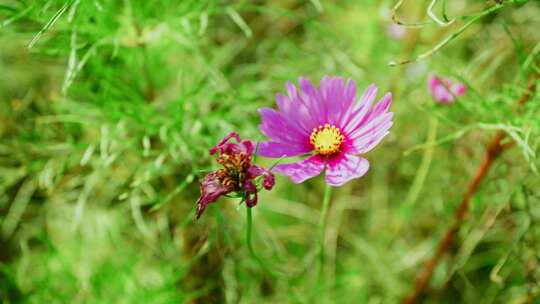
(329, 125)
(237, 175)
(443, 90)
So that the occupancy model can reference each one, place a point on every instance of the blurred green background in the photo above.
(108, 109)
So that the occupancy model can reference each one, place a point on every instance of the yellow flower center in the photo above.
(326, 139)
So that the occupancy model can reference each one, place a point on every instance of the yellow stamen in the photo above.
(326, 139)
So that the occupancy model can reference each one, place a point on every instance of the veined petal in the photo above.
(382, 106)
(369, 94)
(302, 170)
(296, 112)
(357, 114)
(211, 189)
(372, 119)
(277, 127)
(278, 149)
(372, 126)
(338, 97)
(303, 105)
(350, 91)
(365, 143)
(312, 98)
(344, 168)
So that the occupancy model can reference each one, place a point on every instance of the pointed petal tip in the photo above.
(387, 98)
(305, 84)
(264, 111)
(370, 92)
(289, 85)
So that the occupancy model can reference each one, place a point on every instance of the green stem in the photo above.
(322, 228)
(451, 37)
(423, 169)
(261, 263)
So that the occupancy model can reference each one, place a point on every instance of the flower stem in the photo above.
(249, 220)
(322, 229)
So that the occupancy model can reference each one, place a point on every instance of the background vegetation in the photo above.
(108, 109)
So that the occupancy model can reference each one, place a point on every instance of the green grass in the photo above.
(108, 109)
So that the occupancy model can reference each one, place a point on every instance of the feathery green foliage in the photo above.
(108, 109)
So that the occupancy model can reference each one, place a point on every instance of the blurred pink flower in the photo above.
(329, 124)
(237, 175)
(443, 90)
(396, 31)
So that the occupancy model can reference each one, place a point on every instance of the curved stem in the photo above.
(451, 37)
(249, 220)
(322, 228)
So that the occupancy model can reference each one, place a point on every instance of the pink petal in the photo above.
(328, 103)
(338, 97)
(273, 125)
(344, 168)
(311, 97)
(382, 106)
(277, 149)
(459, 89)
(299, 108)
(366, 143)
(371, 126)
(359, 111)
(374, 120)
(443, 90)
(441, 94)
(302, 170)
(291, 90)
(433, 83)
(224, 146)
(296, 112)
(211, 189)
(350, 91)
